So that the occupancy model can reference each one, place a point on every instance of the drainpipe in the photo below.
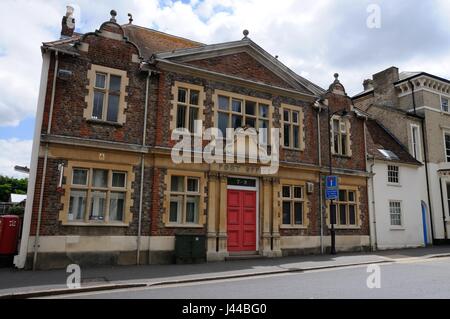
(425, 157)
(443, 208)
(20, 259)
(141, 192)
(44, 169)
(319, 150)
(374, 244)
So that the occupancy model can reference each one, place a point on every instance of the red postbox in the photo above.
(9, 234)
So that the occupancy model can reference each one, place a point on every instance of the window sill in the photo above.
(394, 184)
(345, 227)
(399, 228)
(101, 122)
(287, 227)
(342, 156)
(95, 224)
(183, 226)
(293, 149)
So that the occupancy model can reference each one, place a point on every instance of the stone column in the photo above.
(223, 237)
(276, 238)
(266, 210)
(213, 208)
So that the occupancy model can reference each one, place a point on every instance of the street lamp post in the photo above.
(333, 219)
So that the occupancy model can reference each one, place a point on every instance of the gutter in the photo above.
(20, 259)
(374, 243)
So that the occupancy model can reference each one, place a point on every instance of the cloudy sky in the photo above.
(315, 38)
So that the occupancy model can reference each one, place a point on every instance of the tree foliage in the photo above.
(10, 185)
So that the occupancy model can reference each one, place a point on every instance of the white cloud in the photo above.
(14, 152)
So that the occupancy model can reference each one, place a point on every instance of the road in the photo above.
(415, 278)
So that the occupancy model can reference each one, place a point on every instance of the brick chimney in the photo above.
(68, 23)
(384, 89)
(368, 84)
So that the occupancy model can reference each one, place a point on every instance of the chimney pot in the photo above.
(68, 23)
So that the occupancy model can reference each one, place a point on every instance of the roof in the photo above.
(382, 145)
(18, 198)
(151, 41)
(405, 76)
(245, 42)
(361, 94)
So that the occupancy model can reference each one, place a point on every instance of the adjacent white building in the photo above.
(395, 193)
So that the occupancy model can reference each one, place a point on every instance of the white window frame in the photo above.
(291, 123)
(395, 169)
(416, 151)
(444, 97)
(446, 155)
(401, 226)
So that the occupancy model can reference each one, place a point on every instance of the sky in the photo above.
(315, 38)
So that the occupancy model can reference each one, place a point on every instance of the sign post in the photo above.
(332, 194)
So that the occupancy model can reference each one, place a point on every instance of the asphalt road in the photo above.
(407, 279)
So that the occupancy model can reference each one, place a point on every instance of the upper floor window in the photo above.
(292, 119)
(393, 174)
(444, 104)
(293, 205)
(187, 106)
(447, 146)
(341, 136)
(235, 111)
(415, 142)
(106, 99)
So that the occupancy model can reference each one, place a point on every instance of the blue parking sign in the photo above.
(331, 188)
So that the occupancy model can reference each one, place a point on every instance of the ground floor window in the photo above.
(97, 195)
(293, 202)
(344, 210)
(395, 211)
(184, 200)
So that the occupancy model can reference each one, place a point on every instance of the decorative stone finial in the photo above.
(246, 33)
(336, 76)
(130, 16)
(113, 15)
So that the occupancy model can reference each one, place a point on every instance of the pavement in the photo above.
(24, 284)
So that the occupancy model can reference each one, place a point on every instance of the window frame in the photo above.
(442, 103)
(416, 151)
(341, 121)
(290, 122)
(244, 98)
(90, 189)
(400, 213)
(393, 170)
(293, 200)
(347, 203)
(122, 94)
(446, 150)
(185, 193)
(200, 107)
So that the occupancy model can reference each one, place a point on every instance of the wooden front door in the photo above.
(241, 220)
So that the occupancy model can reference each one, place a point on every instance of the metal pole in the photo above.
(332, 220)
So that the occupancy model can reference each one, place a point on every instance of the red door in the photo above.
(241, 220)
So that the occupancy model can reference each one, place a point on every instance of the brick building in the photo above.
(104, 187)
